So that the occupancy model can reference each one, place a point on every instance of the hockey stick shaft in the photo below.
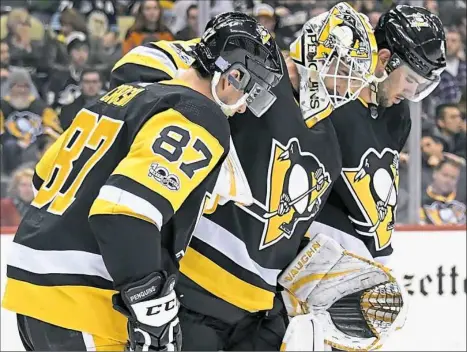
(296, 200)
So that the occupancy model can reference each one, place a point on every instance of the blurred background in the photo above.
(55, 55)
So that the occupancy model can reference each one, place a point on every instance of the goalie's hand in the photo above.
(151, 307)
(357, 302)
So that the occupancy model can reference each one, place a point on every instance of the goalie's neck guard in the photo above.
(336, 56)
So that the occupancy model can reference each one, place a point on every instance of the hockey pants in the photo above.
(37, 335)
(255, 332)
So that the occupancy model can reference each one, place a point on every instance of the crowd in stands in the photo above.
(56, 55)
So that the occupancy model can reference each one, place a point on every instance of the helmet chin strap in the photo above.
(228, 110)
(374, 88)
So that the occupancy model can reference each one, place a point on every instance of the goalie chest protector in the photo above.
(238, 251)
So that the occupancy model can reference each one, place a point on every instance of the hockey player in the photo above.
(279, 176)
(334, 291)
(138, 162)
(360, 212)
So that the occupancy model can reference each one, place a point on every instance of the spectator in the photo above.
(23, 51)
(64, 86)
(453, 79)
(373, 17)
(439, 203)
(191, 29)
(180, 12)
(26, 117)
(44, 9)
(91, 87)
(4, 62)
(148, 26)
(70, 21)
(88, 8)
(265, 15)
(292, 16)
(101, 57)
(111, 52)
(450, 124)
(432, 6)
(20, 196)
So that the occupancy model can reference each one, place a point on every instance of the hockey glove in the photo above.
(151, 307)
(357, 302)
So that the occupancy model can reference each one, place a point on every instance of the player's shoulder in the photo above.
(349, 113)
(180, 103)
(193, 106)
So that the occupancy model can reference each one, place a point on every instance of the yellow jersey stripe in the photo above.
(318, 117)
(223, 284)
(145, 60)
(105, 207)
(87, 309)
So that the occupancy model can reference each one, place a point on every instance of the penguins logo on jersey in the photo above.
(441, 213)
(374, 186)
(296, 182)
(24, 125)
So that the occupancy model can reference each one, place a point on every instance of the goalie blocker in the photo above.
(339, 299)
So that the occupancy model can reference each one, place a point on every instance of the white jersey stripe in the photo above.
(229, 245)
(57, 262)
(137, 204)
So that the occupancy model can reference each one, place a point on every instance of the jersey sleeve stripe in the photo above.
(148, 57)
(18, 299)
(233, 248)
(244, 295)
(119, 201)
(162, 205)
(57, 262)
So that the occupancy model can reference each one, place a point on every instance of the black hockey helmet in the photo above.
(416, 39)
(237, 41)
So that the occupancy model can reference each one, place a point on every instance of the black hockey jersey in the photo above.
(360, 212)
(237, 252)
(27, 123)
(144, 154)
(441, 210)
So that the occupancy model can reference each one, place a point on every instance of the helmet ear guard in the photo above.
(257, 97)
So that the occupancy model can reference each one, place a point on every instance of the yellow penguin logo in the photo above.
(296, 183)
(264, 34)
(374, 186)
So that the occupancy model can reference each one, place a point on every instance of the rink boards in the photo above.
(432, 264)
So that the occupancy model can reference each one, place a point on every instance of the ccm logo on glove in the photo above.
(157, 308)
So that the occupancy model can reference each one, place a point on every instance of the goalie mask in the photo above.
(358, 303)
(336, 56)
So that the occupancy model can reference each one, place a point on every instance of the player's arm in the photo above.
(151, 62)
(46, 163)
(51, 123)
(168, 160)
